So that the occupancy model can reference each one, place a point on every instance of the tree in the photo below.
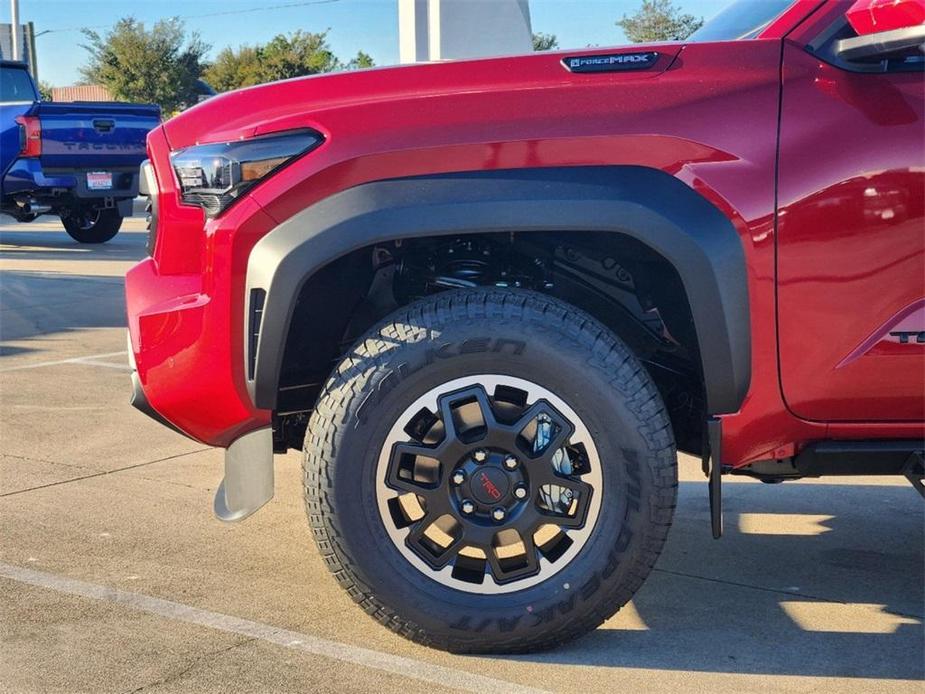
(659, 20)
(45, 91)
(296, 55)
(301, 53)
(159, 66)
(360, 61)
(234, 69)
(544, 42)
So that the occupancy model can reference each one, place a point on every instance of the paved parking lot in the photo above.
(114, 577)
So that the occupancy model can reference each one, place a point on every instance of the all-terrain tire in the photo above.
(97, 227)
(451, 335)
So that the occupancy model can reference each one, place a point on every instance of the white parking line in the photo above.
(108, 365)
(88, 360)
(376, 660)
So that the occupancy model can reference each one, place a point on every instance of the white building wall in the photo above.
(450, 29)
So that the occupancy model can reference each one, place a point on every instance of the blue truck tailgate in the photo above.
(93, 134)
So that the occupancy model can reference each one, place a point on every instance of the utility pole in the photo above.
(15, 29)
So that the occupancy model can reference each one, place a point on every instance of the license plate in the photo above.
(99, 180)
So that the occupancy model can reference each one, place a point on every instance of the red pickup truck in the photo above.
(492, 299)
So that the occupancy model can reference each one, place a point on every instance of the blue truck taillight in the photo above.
(30, 136)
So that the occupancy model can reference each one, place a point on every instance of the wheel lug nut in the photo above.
(498, 514)
(467, 507)
(510, 462)
(458, 477)
(520, 492)
(480, 456)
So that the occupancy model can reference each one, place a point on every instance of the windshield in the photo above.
(15, 85)
(743, 19)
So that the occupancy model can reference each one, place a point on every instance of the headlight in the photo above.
(214, 176)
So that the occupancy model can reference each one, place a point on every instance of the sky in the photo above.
(368, 25)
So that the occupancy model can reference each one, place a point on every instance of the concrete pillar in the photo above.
(412, 31)
(450, 29)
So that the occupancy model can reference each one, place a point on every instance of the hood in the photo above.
(301, 102)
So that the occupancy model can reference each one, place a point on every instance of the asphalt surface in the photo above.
(114, 576)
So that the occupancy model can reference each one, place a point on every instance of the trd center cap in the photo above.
(489, 485)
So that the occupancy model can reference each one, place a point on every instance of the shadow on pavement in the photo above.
(809, 580)
(39, 303)
(42, 244)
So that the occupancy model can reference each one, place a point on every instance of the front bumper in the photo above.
(248, 483)
(188, 364)
(140, 403)
(185, 308)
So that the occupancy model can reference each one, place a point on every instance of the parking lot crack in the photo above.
(172, 483)
(777, 591)
(103, 473)
(44, 460)
(173, 677)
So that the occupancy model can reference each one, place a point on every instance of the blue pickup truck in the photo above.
(79, 161)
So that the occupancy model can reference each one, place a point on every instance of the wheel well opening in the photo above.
(618, 280)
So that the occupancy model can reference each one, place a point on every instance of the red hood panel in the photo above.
(290, 103)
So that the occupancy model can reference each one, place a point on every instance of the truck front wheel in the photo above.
(490, 470)
(92, 225)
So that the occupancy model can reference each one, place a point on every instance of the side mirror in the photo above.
(885, 29)
(883, 45)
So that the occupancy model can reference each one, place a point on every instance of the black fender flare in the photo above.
(644, 203)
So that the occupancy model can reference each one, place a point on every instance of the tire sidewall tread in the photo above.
(556, 327)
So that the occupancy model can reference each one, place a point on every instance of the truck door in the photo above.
(851, 234)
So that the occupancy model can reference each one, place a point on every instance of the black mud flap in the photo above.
(914, 471)
(713, 467)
